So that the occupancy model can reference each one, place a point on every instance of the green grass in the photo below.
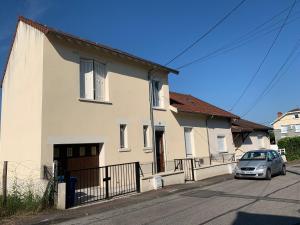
(20, 203)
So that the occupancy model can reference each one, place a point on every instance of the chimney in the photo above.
(279, 114)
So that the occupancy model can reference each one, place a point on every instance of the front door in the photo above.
(160, 156)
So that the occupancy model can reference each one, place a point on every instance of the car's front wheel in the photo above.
(283, 170)
(268, 174)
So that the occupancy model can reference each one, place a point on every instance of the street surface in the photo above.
(229, 201)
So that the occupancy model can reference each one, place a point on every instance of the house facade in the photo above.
(249, 136)
(206, 128)
(287, 124)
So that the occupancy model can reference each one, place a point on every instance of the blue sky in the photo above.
(158, 30)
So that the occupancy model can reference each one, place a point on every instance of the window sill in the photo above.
(95, 101)
(159, 108)
(147, 149)
(124, 150)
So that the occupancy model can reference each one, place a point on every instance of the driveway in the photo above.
(224, 202)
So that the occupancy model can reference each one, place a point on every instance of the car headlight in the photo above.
(262, 167)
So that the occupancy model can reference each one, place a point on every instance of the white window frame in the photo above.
(99, 94)
(123, 146)
(146, 136)
(191, 142)
(224, 142)
(284, 131)
(157, 95)
(297, 128)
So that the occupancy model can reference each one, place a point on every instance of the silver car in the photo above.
(260, 164)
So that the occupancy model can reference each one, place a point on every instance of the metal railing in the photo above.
(186, 165)
(94, 184)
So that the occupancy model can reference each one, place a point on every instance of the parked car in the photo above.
(260, 164)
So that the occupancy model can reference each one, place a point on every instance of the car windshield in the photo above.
(254, 156)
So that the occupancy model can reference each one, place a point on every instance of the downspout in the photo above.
(152, 121)
(207, 133)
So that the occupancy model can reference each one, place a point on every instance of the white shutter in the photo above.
(221, 144)
(188, 142)
(100, 75)
(86, 79)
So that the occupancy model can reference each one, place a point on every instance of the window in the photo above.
(123, 136)
(260, 139)
(146, 136)
(188, 142)
(296, 116)
(56, 153)
(297, 128)
(221, 144)
(69, 152)
(94, 150)
(92, 80)
(284, 129)
(157, 96)
(81, 151)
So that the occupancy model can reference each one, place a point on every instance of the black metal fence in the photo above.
(187, 165)
(93, 184)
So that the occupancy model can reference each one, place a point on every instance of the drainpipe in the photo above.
(152, 121)
(207, 133)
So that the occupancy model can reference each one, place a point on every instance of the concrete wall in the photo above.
(167, 179)
(252, 143)
(21, 115)
(220, 127)
(215, 170)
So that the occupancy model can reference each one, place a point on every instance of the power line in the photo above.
(264, 59)
(206, 33)
(272, 82)
(242, 39)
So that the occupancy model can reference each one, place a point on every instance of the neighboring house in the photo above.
(206, 128)
(82, 104)
(248, 136)
(287, 124)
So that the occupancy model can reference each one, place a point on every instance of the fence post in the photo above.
(192, 167)
(106, 180)
(4, 182)
(137, 177)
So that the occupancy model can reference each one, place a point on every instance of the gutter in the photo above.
(152, 121)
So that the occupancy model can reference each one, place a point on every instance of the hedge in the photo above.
(292, 147)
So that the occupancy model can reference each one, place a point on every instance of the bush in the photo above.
(17, 202)
(292, 147)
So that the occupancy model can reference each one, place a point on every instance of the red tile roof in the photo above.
(248, 126)
(190, 104)
(47, 30)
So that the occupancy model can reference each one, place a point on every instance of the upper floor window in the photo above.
(284, 129)
(221, 144)
(92, 80)
(296, 116)
(157, 94)
(297, 128)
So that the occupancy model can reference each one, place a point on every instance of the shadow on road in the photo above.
(244, 218)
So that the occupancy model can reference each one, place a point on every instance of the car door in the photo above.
(278, 161)
(271, 160)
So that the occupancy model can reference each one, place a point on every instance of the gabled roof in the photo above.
(242, 125)
(62, 35)
(292, 111)
(191, 104)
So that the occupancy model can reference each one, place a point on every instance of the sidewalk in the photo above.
(293, 168)
(59, 216)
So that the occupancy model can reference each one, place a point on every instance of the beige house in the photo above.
(248, 136)
(206, 128)
(287, 124)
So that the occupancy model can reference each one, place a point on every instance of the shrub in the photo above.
(292, 147)
(17, 202)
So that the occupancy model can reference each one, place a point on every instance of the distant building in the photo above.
(287, 124)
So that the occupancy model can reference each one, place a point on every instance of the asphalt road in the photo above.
(229, 202)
